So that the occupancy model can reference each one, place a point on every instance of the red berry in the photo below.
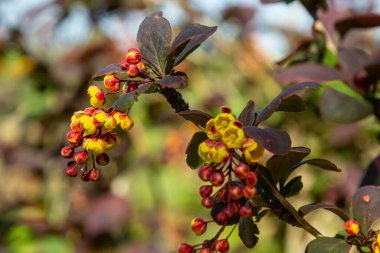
(221, 217)
(241, 170)
(235, 192)
(67, 152)
(352, 227)
(223, 196)
(94, 174)
(81, 157)
(72, 169)
(102, 159)
(205, 191)
(229, 211)
(207, 202)
(199, 226)
(222, 246)
(133, 56)
(225, 109)
(217, 178)
(185, 248)
(132, 70)
(251, 178)
(205, 172)
(245, 211)
(249, 191)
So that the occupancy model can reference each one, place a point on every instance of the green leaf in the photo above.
(279, 164)
(186, 42)
(193, 159)
(126, 100)
(305, 210)
(365, 206)
(293, 187)
(328, 245)
(273, 140)
(248, 231)
(247, 116)
(154, 37)
(293, 103)
(285, 94)
(197, 117)
(177, 81)
(338, 107)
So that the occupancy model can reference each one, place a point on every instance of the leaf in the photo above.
(154, 37)
(193, 159)
(373, 68)
(177, 81)
(186, 42)
(197, 117)
(305, 210)
(277, 165)
(352, 60)
(308, 72)
(313, 6)
(247, 116)
(273, 140)
(293, 187)
(277, 101)
(126, 100)
(339, 107)
(248, 231)
(328, 245)
(367, 20)
(110, 69)
(372, 174)
(365, 206)
(291, 104)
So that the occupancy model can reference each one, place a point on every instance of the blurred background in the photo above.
(147, 195)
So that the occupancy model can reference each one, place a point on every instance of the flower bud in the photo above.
(133, 70)
(102, 159)
(241, 170)
(124, 65)
(98, 100)
(185, 248)
(111, 139)
(72, 169)
(223, 195)
(235, 192)
(249, 191)
(141, 66)
(207, 250)
(133, 56)
(199, 226)
(74, 136)
(85, 176)
(352, 227)
(251, 178)
(67, 152)
(208, 202)
(222, 246)
(205, 172)
(205, 191)
(131, 87)
(123, 120)
(112, 83)
(217, 178)
(80, 157)
(225, 109)
(245, 211)
(89, 110)
(94, 174)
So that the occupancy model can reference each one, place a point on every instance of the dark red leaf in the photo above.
(373, 68)
(328, 245)
(365, 206)
(273, 140)
(352, 60)
(154, 37)
(293, 187)
(305, 210)
(357, 21)
(281, 98)
(248, 231)
(308, 72)
(192, 158)
(110, 69)
(177, 81)
(372, 174)
(197, 117)
(186, 42)
(247, 116)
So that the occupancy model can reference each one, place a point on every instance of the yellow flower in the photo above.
(100, 115)
(376, 247)
(211, 131)
(109, 124)
(219, 153)
(222, 121)
(92, 90)
(252, 151)
(89, 124)
(233, 136)
(123, 120)
(94, 145)
(204, 150)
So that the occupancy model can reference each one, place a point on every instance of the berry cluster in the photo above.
(229, 157)
(92, 129)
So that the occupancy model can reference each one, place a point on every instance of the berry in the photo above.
(94, 174)
(205, 172)
(205, 191)
(133, 56)
(85, 176)
(217, 178)
(199, 226)
(67, 152)
(235, 192)
(249, 191)
(185, 248)
(245, 211)
(208, 202)
(132, 70)
(241, 170)
(72, 169)
(223, 196)
(251, 178)
(222, 246)
(74, 137)
(352, 227)
(81, 157)
(221, 217)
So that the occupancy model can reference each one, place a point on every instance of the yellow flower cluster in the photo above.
(376, 244)
(225, 133)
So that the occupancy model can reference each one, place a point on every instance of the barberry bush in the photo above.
(240, 185)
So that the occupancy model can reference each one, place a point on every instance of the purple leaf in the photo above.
(177, 81)
(357, 21)
(305, 210)
(247, 116)
(197, 117)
